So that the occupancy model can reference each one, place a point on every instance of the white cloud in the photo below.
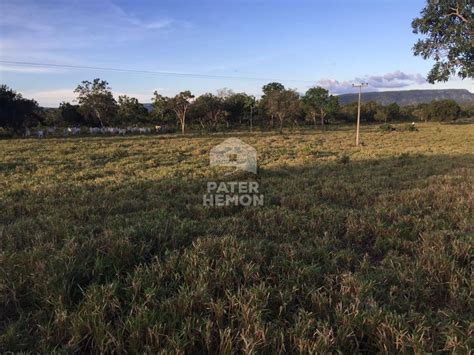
(394, 80)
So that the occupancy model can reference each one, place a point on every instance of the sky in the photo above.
(300, 43)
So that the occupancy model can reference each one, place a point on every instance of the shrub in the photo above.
(386, 127)
(344, 159)
(411, 127)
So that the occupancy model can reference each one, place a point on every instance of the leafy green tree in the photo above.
(348, 112)
(161, 107)
(318, 102)
(381, 114)
(393, 111)
(421, 112)
(283, 104)
(226, 96)
(368, 111)
(71, 114)
(51, 116)
(130, 110)
(210, 110)
(268, 90)
(447, 28)
(16, 112)
(237, 108)
(179, 104)
(387, 113)
(95, 99)
(443, 110)
(251, 104)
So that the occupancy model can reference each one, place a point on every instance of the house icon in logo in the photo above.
(234, 153)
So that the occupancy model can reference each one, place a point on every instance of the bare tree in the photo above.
(179, 104)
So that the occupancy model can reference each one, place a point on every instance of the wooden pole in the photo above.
(358, 109)
(358, 117)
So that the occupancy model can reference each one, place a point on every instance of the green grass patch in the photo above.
(105, 245)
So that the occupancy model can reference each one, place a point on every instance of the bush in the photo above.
(411, 127)
(5, 133)
(386, 127)
(345, 159)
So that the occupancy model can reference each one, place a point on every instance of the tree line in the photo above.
(277, 108)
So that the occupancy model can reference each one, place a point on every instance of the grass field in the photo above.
(106, 245)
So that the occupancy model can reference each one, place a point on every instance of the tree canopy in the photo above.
(95, 98)
(130, 109)
(447, 28)
(318, 102)
(212, 111)
(16, 111)
(283, 104)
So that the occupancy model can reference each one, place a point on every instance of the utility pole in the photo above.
(360, 85)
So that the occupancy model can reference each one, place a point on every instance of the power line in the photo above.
(155, 72)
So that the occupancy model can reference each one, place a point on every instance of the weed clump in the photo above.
(387, 127)
(411, 127)
(344, 159)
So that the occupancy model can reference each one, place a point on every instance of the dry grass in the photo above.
(105, 245)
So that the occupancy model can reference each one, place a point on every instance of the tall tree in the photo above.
(318, 102)
(443, 110)
(210, 110)
(179, 104)
(393, 111)
(268, 90)
(422, 112)
(227, 95)
(235, 106)
(250, 105)
(95, 99)
(130, 110)
(70, 114)
(447, 26)
(369, 110)
(160, 106)
(17, 112)
(272, 87)
(283, 105)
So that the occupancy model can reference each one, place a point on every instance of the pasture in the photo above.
(106, 245)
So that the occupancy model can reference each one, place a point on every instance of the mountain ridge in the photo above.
(410, 97)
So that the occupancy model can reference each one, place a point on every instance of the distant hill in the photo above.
(410, 97)
(148, 106)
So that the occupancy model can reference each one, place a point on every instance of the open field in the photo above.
(106, 245)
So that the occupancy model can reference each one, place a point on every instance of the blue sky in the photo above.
(319, 42)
